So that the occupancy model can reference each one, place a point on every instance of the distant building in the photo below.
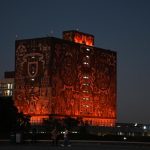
(7, 84)
(124, 130)
(66, 77)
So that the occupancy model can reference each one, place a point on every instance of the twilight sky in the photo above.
(119, 25)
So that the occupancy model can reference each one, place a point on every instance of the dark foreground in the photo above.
(76, 145)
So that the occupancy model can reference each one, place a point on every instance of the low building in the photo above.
(7, 84)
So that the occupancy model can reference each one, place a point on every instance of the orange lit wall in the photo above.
(32, 92)
(57, 77)
(79, 37)
(84, 83)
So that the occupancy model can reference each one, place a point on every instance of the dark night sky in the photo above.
(120, 25)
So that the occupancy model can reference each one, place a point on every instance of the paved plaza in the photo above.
(86, 145)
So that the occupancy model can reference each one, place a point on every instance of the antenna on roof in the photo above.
(51, 32)
(16, 36)
(77, 29)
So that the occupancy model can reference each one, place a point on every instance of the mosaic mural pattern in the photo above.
(56, 77)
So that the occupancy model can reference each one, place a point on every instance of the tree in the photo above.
(53, 122)
(7, 114)
(10, 118)
(22, 122)
(70, 122)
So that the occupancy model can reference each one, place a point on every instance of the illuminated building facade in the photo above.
(66, 77)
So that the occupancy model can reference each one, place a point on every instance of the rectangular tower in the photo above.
(65, 77)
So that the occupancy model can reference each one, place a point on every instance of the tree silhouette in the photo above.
(10, 118)
(70, 122)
